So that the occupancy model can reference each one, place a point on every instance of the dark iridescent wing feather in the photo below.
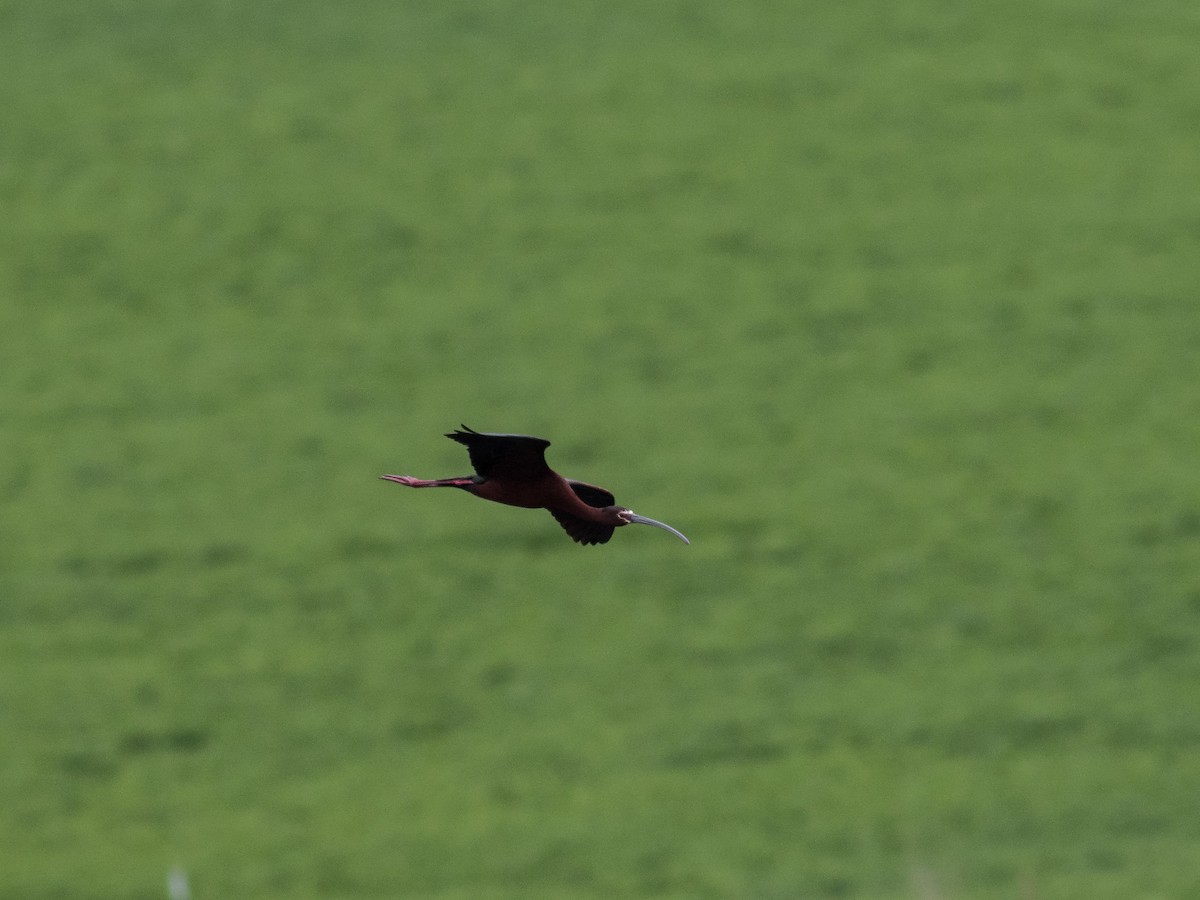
(592, 495)
(516, 456)
(581, 530)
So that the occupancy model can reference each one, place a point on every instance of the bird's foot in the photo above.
(409, 481)
(406, 480)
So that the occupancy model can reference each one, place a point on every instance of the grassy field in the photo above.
(891, 308)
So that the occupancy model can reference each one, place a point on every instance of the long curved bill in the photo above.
(646, 520)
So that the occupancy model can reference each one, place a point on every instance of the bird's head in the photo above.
(625, 516)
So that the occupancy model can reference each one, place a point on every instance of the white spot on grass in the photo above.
(177, 885)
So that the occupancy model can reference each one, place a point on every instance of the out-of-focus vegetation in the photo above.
(891, 309)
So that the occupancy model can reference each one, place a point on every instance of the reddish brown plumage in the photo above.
(511, 469)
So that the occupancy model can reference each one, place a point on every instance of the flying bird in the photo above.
(511, 469)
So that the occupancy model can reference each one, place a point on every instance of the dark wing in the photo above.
(592, 495)
(580, 530)
(516, 456)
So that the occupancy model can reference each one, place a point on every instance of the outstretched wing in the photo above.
(581, 530)
(516, 456)
(592, 495)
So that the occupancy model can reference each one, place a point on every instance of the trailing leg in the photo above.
(409, 481)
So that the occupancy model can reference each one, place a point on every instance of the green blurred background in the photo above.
(890, 307)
